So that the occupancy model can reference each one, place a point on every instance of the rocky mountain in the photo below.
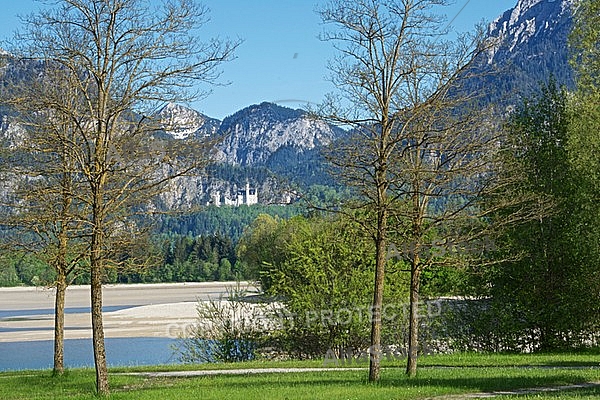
(254, 135)
(274, 148)
(182, 122)
(529, 46)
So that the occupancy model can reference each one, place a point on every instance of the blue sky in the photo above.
(281, 59)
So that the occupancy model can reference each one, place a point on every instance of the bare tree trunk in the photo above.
(122, 70)
(380, 260)
(97, 269)
(102, 387)
(413, 326)
(59, 324)
(62, 270)
(418, 134)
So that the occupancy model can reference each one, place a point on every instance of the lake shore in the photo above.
(160, 311)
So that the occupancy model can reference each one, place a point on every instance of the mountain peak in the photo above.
(523, 6)
(254, 134)
(263, 111)
(527, 20)
(182, 122)
(528, 45)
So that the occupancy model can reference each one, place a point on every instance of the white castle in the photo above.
(247, 197)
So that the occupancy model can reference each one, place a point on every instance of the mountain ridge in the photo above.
(530, 45)
(275, 147)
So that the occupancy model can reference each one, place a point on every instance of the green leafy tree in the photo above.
(44, 213)
(584, 42)
(317, 268)
(322, 280)
(261, 247)
(584, 149)
(538, 297)
(585, 133)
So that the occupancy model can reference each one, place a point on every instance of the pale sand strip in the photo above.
(160, 320)
(151, 310)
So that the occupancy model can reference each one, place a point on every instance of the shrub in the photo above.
(228, 329)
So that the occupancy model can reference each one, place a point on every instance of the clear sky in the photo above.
(281, 59)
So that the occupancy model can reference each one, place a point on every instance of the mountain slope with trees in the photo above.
(528, 46)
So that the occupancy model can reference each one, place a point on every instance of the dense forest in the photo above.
(199, 246)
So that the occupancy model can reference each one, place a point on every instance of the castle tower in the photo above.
(216, 198)
(251, 195)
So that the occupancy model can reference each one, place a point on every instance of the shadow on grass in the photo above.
(37, 384)
(574, 364)
(424, 384)
(43, 384)
(584, 393)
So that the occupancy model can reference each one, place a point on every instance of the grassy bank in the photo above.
(439, 376)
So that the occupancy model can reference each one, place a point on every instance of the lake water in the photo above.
(50, 311)
(79, 353)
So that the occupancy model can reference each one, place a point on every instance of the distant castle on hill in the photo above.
(247, 196)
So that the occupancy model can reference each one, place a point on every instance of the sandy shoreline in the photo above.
(160, 311)
(162, 320)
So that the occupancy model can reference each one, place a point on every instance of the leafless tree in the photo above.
(118, 61)
(421, 155)
(48, 208)
(45, 215)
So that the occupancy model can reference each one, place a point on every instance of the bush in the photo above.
(321, 270)
(228, 329)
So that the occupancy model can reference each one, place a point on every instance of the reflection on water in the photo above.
(79, 353)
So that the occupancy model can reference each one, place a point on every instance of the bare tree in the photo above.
(421, 155)
(47, 215)
(120, 60)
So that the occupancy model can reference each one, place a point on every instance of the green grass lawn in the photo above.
(438, 376)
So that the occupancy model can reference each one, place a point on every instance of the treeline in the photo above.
(172, 258)
(197, 246)
(20, 268)
(227, 221)
(231, 221)
(189, 259)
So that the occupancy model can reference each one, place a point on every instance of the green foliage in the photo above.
(203, 251)
(546, 298)
(227, 221)
(8, 275)
(325, 282)
(19, 268)
(227, 330)
(584, 141)
(584, 42)
(444, 280)
(321, 269)
(190, 259)
(262, 247)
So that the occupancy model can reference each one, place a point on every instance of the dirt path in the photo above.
(246, 371)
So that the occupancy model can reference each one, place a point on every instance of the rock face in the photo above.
(541, 25)
(530, 46)
(264, 142)
(269, 147)
(184, 123)
(253, 135)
